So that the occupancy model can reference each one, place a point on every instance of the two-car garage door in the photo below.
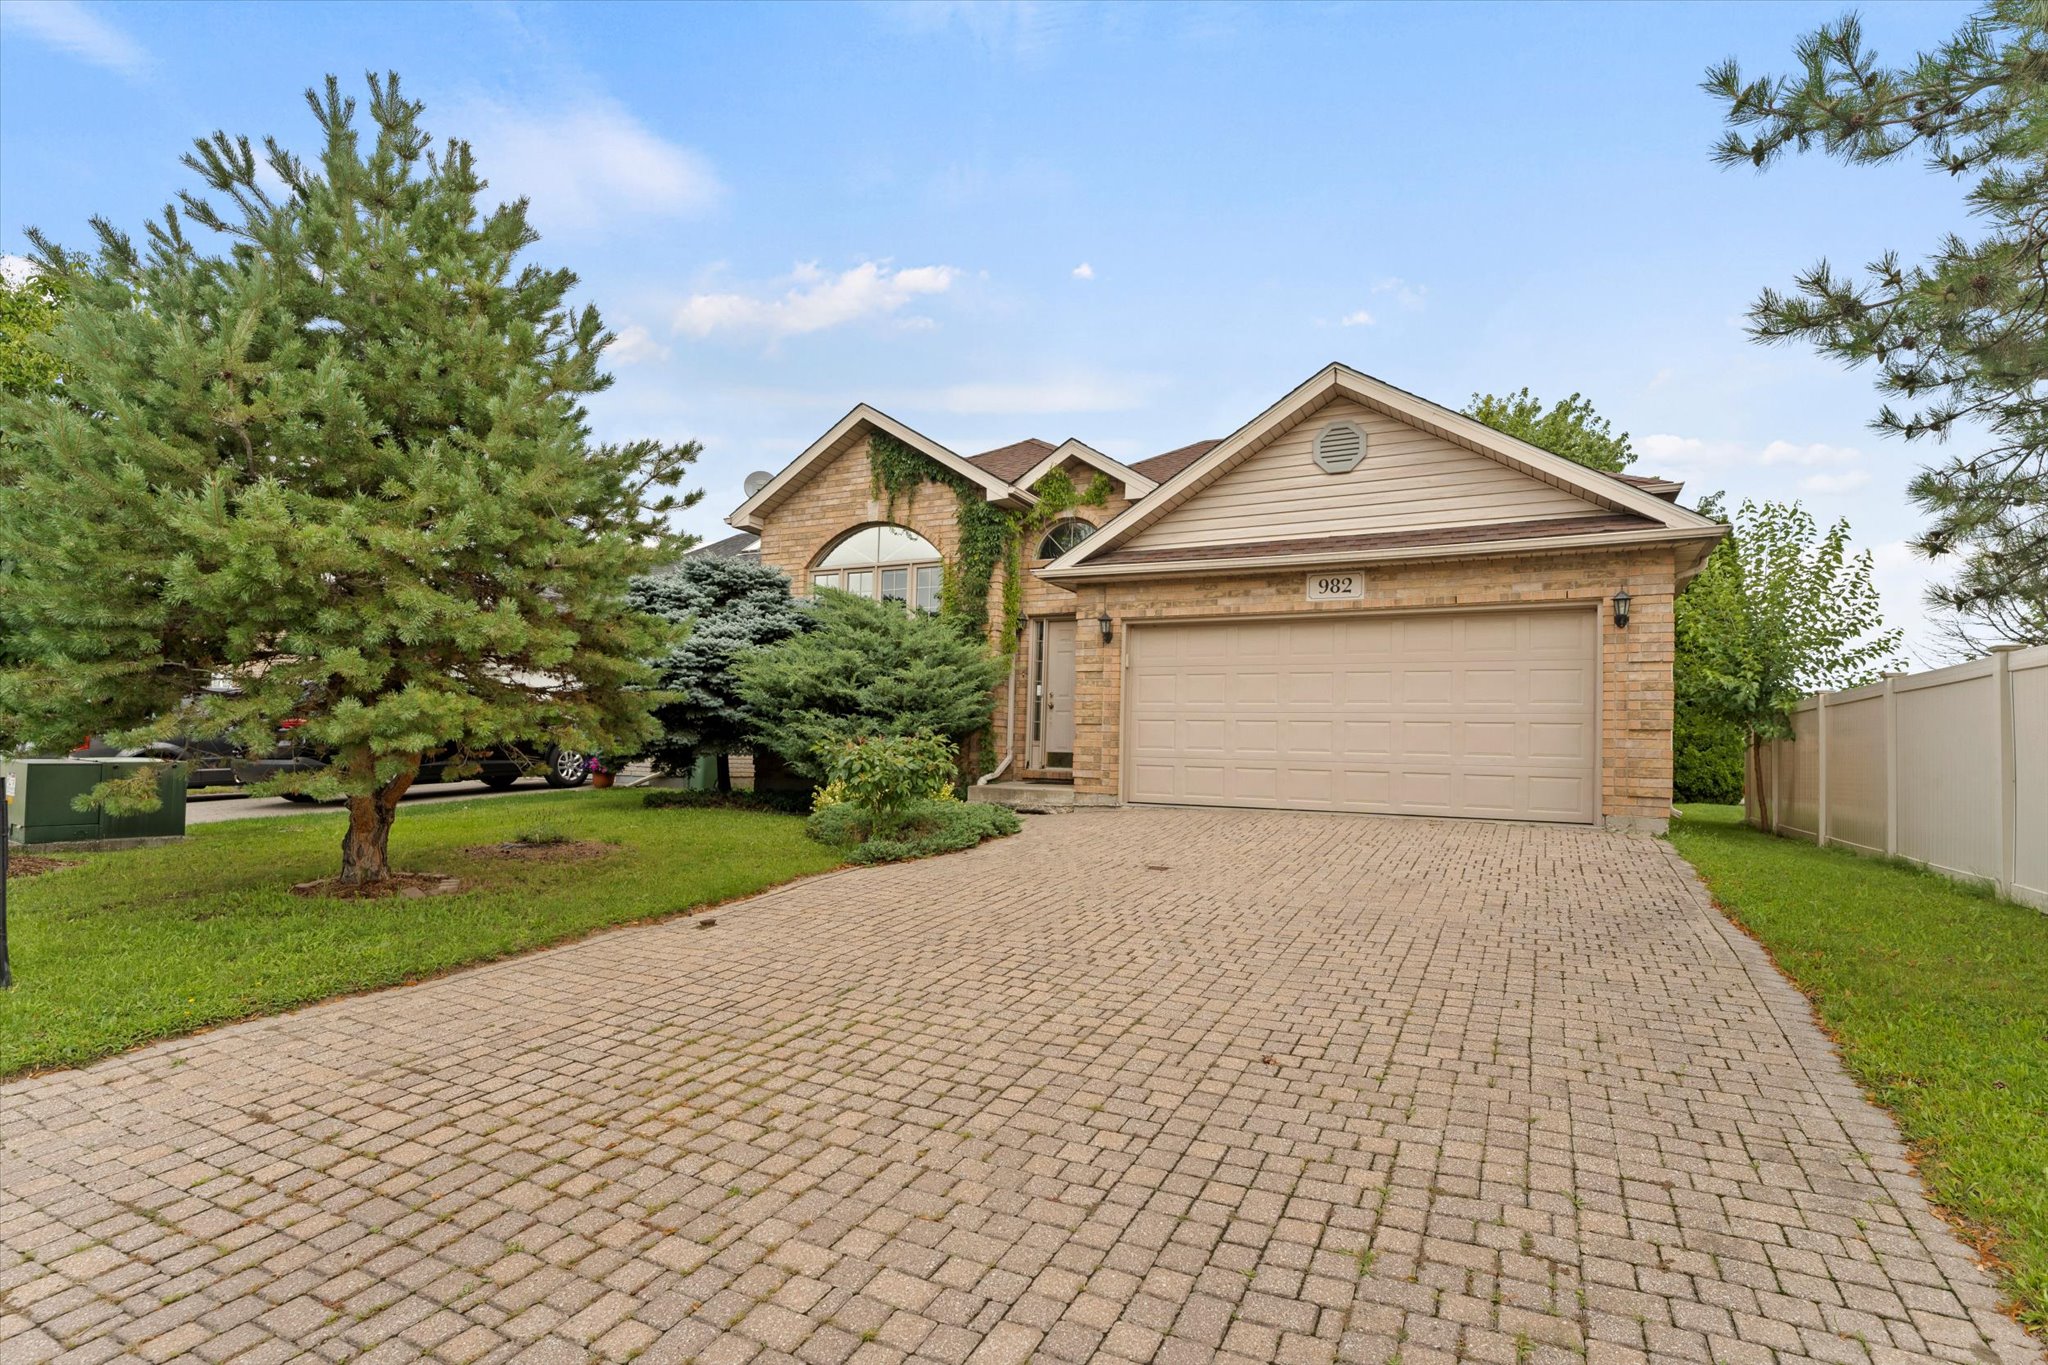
(1486, 713)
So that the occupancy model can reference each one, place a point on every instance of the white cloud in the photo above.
(1361, 318)
(1073, 393)
(1786, 452)
(633, 345)
(16, 270)
(815, 300)
(1671, 449)
(1084, 271)
(1409, 296)
(1847, 482)
(1777, 469)
(1836, 468)
(588, 167)
(70, 26)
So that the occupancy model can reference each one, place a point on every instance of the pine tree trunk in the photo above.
(725, 773)
(366, 846)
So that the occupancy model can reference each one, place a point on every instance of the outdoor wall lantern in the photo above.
(1621, 601)
(1103, 623)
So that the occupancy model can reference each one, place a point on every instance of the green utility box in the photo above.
(40, 793)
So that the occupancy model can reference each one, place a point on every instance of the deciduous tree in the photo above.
(29, 305)
(322, 432)
(1782, 609)
(1569, 428)
(29, 308)
(1707, 748)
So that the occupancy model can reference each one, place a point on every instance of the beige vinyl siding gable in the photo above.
(1409, 480)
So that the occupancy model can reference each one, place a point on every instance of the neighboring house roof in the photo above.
(1667, 489)
(745, 546)
(1009, 462)
(1160, 468)
(1660, 518)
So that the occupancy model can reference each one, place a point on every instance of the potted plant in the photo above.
(600, 775)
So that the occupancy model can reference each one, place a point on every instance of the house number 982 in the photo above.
(1326, 587)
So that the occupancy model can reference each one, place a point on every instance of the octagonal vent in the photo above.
(1340, 447)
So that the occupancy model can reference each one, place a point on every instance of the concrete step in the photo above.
(1039, 798)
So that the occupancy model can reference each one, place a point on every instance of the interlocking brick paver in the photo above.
(1138, 1085)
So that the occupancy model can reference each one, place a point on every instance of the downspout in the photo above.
(1009, 729)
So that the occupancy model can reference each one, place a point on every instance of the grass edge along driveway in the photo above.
(145, 944)
(1937, 994)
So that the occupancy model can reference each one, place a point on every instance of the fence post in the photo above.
(1777, 783)
(1891, 765)
(1820, 725)
(2008, 769)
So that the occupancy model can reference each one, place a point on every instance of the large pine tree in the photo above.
(322, 434)
(1961, 337)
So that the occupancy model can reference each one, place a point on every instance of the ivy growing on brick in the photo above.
(989, 536)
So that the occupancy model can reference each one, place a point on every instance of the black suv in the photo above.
(212, 761)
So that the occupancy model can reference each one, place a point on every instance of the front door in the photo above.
(1055, 680)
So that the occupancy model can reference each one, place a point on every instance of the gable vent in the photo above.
(1340, 447)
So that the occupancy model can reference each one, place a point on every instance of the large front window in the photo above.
(887, 562)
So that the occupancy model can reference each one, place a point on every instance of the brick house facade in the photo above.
(1473, 662)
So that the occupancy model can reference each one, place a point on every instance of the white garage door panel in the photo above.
(1486, 714)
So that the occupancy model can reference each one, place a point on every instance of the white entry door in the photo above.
(1483, 713)
(1055, 687)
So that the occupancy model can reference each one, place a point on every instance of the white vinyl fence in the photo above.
(1948, 769)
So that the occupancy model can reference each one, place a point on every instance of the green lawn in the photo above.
(1938, 995)
(155, 942)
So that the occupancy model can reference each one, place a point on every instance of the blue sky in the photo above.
(1137, 225)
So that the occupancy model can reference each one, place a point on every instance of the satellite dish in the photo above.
(757, 481)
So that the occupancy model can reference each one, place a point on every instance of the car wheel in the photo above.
(300, 797)
(567, 768)
(497, 782)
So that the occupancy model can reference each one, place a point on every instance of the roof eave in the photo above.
(1317, 559)
(1136, 485)
(1411, 408)
(748, 515)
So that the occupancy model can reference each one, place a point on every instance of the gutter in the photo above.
(1052, 573)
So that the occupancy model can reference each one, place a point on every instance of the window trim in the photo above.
(1045, 537)
(923, 576)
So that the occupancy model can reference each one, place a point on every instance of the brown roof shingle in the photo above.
(1011, 462)
(1160, 468)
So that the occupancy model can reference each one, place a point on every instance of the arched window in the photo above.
(1063, 536)
(887, 562)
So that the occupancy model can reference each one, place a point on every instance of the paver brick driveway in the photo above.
(1311, 1087)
